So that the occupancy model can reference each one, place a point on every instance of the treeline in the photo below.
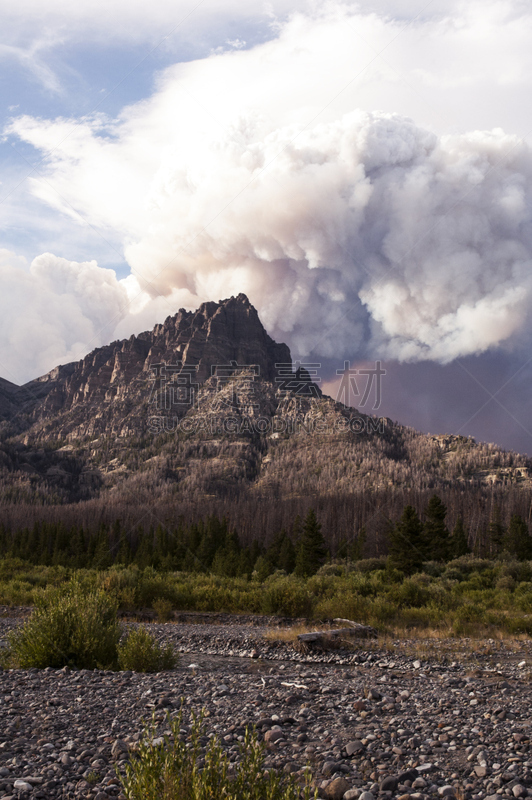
(213, 545)
(413, 540)
(257, 515)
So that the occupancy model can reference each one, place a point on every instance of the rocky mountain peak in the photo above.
(113, 380)
(217, 334)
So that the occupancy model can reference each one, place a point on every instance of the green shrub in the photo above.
(163, 608)
(370, 564)
(69, 627)
(334, 569)
(287, 596)
(173, 769)
(411, 594)
(141, 652)
(433, 568)
(506, 583)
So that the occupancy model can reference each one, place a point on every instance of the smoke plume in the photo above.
(357, 233)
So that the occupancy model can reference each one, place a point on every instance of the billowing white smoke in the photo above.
(366, 218)
(363, 236)
(367, 235)
(54, 312)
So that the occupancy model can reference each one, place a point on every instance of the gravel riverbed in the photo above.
(403, 719)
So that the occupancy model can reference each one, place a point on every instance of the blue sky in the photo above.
(361, 170)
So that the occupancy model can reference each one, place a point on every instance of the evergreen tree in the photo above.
(262, 568)
(517, 540)
(436, 533)
(407, 546)
(281, 554)
(287, 555)
(144, 553)
(101, 558)
(191, 563)
(458, 544)
(496, 533)
(274, 550)
(245, 563)
(227, 556)
(124, 555)
(311, 551)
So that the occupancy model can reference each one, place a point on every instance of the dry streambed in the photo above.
(400, 721)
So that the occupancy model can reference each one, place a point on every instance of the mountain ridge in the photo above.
(208, 408)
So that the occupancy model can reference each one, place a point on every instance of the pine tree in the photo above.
(101, 558)
(287, 555)
(274, 550)
(124, 552)
(262, 568)
(245, 563)
(436, 533)
(458, 544)
(311, 551)
(407, 546)
(496, 533)
(517, 540)
(226, 559)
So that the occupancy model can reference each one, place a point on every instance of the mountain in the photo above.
(206, 409)
(107, 391)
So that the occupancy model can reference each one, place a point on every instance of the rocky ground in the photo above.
(415, 720)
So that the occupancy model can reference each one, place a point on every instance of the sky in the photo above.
(362, 171)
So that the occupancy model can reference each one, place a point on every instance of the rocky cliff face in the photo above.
(114, 388)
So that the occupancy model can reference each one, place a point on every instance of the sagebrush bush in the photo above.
(287, 596)
(70, 626)
(173, 769)
(141, 652)
(163, 608)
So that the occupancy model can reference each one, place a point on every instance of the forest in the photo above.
(215, 545)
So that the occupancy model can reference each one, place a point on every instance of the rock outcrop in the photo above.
(118, 382)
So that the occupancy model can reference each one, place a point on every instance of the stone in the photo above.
(352, 794)
(354, 747)
(408, 775)
(367, 796)
(22, 786)
(336, 789)
(446, 791)
(290, 767)
(273, 736)
(118, 749)
(388, 784)
(519, 790)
